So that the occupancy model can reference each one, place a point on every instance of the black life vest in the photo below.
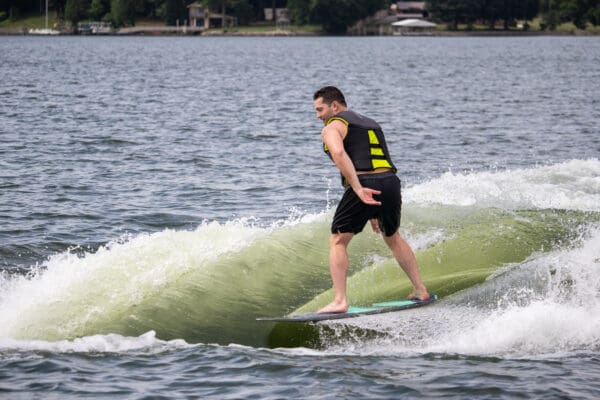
(364, 142)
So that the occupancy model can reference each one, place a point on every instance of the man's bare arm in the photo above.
(333, 137)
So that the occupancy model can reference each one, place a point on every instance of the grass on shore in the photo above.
(30, 22)
(266, 28)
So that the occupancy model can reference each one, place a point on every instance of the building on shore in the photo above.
(413, 27)
(95, 28)
(201, 16)
(381, 22)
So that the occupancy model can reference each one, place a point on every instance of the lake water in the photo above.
(157, 194)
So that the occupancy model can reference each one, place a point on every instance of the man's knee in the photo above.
(393, 240)
(340, 239)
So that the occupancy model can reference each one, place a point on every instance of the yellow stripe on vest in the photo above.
(381, 164)
(373, 137)
(376, 151)
(334, 118)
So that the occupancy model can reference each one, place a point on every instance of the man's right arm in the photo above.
(333, 137)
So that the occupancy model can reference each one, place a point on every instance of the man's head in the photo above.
(328, 101)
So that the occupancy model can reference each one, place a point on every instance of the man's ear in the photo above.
(335, 106)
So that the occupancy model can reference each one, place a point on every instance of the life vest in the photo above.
(364, 142)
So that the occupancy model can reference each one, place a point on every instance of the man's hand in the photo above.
(366, 196)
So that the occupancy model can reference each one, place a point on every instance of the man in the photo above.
(357, 146)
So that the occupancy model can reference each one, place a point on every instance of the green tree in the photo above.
(336, 16)
(58, 6)
(454, 12)
(243, 11)
(76, 10)
(511, 10)
(98, 9)
(572, 11)
(594, 15)
(21, 6)
(579, 12)
(175, 10)
(299, 11)
(149, 8)
(549, 16)
(122, 12)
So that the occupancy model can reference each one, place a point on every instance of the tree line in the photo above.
(551, 12)
(335, 16)
(126, 12)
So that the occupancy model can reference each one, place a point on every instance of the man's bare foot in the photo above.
(421, 295)
(334, 307)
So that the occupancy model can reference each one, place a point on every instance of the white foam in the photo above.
(561, 314)
(426, 239)
(572, 185)
(564, 317)
(111, 343)
(541, 327)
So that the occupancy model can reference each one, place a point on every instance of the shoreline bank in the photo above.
(192, 31)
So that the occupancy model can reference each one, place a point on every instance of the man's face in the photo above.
(323, 110)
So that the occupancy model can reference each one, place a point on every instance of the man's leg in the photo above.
(406, 258)
(338, 267)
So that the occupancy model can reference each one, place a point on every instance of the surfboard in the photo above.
(353, 312)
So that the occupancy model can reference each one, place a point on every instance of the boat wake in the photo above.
(513, 254)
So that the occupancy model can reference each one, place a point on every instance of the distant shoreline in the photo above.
(187, 31)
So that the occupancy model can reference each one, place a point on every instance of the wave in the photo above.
(209, 284)
(202, 285)
(546, 306)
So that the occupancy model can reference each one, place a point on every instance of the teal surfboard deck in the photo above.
(353, 312)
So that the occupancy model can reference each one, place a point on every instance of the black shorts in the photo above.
(352, 214)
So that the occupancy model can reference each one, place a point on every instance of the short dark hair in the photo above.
(330, 94)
